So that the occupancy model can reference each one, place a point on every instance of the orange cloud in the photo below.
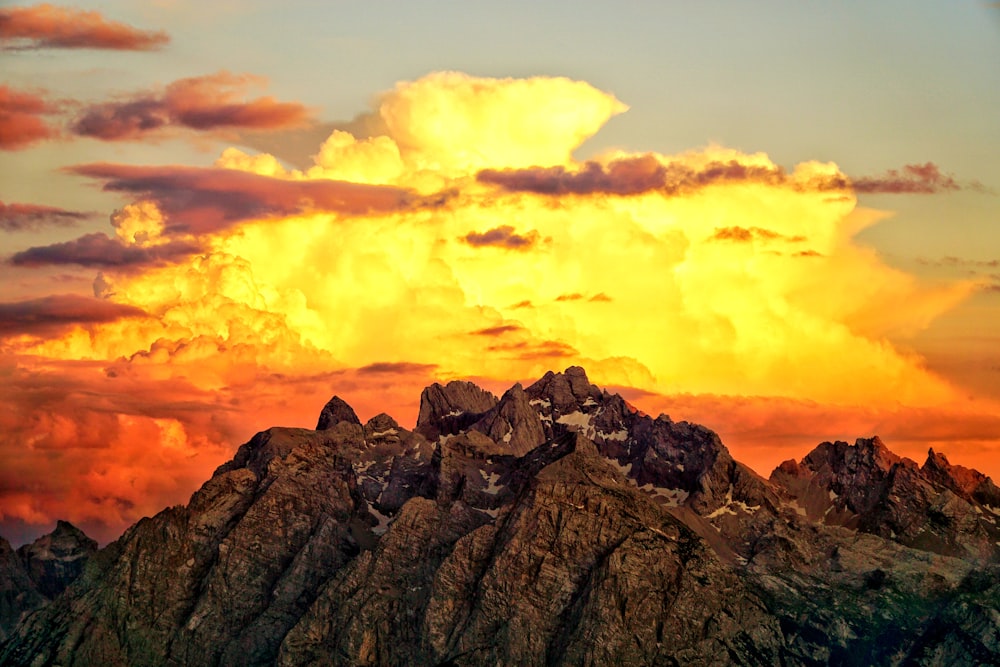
(119, 441)
(205, 103)
(21, 119)
(15, 217)
(46, 26)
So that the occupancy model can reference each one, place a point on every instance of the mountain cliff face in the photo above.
(941, 508)
(552, 525)
(40, 571)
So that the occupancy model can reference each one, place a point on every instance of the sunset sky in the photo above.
(778, 219)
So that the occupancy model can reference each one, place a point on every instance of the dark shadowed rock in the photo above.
(583, 570)
(18, 593)
(55, 560)
(335, 411)
(451, 408)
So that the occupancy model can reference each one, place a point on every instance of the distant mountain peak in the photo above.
(938, 507)
(335, 411)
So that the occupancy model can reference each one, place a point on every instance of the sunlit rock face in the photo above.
(556, 524)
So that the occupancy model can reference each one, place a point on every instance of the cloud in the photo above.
(395, 368)
(205, 103)
(744, 235)
(310, 283)
(922, 179)
(636, 175)
(46, 26)
(498, 330)
(43, 315)
(534, 350)
(21, 119)
(15, 217)
(629, 176)
(203, 199)
(502, 237)
(97, 250)
(457, 123)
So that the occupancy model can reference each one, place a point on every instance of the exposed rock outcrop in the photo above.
(450, 408)
(55, 560)
(335, 411)
(513, 422)
(40, 571)
(866, 487)
(18, 593)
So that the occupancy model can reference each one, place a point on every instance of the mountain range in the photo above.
(554, 525)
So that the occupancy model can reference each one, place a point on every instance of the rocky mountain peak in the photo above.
(513, 422)
(567, 391)
(382, 429)
(381, 422)
(968, 483)
(866, 454)
(335, 411)
(54, 560)
(448, 409)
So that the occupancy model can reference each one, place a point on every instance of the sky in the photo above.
(777, 219)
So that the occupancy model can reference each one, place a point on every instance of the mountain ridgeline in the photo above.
(555, 525)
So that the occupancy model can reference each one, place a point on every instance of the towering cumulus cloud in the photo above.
(462, 240)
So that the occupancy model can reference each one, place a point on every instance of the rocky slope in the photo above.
(552, 525)
(40, 571)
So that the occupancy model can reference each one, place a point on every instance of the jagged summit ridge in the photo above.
(553, 525)
(938, 507)
(40, 571)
